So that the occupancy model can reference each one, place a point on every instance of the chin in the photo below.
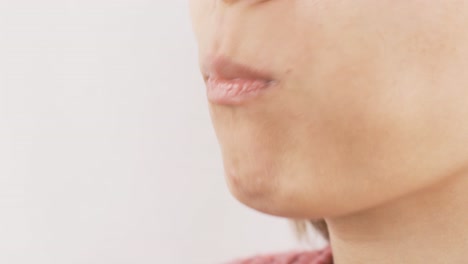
(272, 190)
(250, 181)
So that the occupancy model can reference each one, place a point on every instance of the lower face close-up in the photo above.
(324, 108)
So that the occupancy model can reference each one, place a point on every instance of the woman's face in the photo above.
(371, 103)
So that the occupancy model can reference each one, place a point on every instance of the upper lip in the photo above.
(223, 68)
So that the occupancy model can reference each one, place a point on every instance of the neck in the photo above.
(428, 226)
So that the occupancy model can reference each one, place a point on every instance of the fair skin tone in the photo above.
(368, 128)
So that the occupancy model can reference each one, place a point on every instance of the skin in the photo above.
(368, 127)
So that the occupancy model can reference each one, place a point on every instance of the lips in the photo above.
(230, 83)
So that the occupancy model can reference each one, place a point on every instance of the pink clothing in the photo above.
(323, 256)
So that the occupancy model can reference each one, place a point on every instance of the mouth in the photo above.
(230, 83)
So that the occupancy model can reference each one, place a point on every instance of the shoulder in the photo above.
(322, 256)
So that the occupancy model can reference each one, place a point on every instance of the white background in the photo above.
(107, 154)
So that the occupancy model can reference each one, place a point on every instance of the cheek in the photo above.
(373, 72)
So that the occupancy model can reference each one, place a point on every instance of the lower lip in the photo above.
(235, 91)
